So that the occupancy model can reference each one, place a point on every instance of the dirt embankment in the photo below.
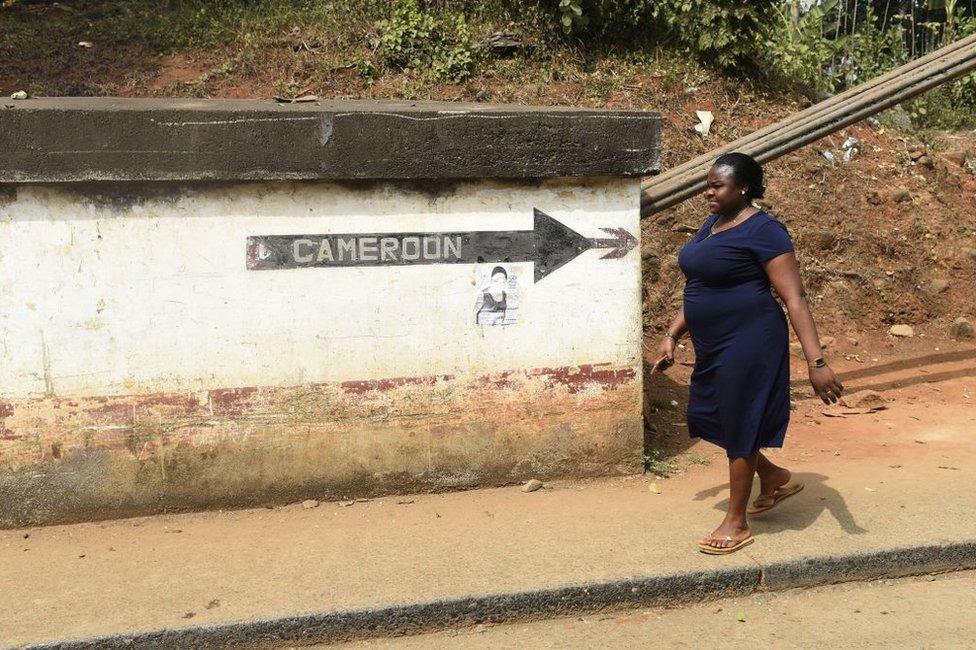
(889, 237)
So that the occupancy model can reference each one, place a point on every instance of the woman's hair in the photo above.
(745, 171)
(499, 269)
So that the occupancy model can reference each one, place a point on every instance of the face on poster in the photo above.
(497, 293)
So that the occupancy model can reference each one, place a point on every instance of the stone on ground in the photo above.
(532, 486)
(904, 331)
(962, 328)
(937, 286)
(957, 156)
(901, 195)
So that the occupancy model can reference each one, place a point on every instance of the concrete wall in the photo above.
(144, 367)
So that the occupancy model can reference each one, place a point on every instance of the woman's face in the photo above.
(498, 282)
(723, 195)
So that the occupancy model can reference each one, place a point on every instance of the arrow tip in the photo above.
(625, 242)
(555, 244)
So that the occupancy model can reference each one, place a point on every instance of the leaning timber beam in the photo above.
(824, 118)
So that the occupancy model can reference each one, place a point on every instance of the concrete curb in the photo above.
(888, 563)
(669, 589)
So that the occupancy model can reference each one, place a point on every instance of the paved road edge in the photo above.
(667, 589)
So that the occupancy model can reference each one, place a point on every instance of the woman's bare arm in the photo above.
(678, 326)
(784, 274)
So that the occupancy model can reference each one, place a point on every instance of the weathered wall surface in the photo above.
(68, 139)
(145, 367)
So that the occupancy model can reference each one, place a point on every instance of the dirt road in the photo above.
(928, 387)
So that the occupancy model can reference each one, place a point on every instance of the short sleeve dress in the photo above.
(740, 387)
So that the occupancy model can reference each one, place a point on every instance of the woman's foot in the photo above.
(766, 502)
(734, 532)
(727, 535)
(772, 479)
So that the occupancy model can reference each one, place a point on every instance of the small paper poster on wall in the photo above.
(497, 294)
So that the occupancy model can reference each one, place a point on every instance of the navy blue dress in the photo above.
(740, 387)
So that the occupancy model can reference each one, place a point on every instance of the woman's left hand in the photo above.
(825, 384)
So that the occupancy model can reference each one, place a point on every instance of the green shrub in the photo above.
(815, 52)
(962, 93)
(727, 33)
(655, 464)
(801, 52)
(875, 52)
(948, 106)
(453, 59)
(721, 32)
(414, 38)
(571, 15)
(406, 37)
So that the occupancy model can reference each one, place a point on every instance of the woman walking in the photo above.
(740, 387)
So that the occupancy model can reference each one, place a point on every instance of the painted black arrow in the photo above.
(549, 245)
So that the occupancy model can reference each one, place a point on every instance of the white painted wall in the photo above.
(96, 300)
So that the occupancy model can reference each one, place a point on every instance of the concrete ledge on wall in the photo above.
(55, 140)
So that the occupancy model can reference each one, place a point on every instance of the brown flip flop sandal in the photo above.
(770, 501)
(712, 550)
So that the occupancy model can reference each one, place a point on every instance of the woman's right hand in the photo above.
(666, 349)
(825, 384)
(665, 356)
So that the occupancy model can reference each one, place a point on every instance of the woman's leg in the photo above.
(771, 477)
(741, 472)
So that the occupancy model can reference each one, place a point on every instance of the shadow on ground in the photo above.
(665, 430)
(922, 377)
(798, 512)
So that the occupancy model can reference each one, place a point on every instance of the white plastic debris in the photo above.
(831, 158)
(705, 119)
(851, 147)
